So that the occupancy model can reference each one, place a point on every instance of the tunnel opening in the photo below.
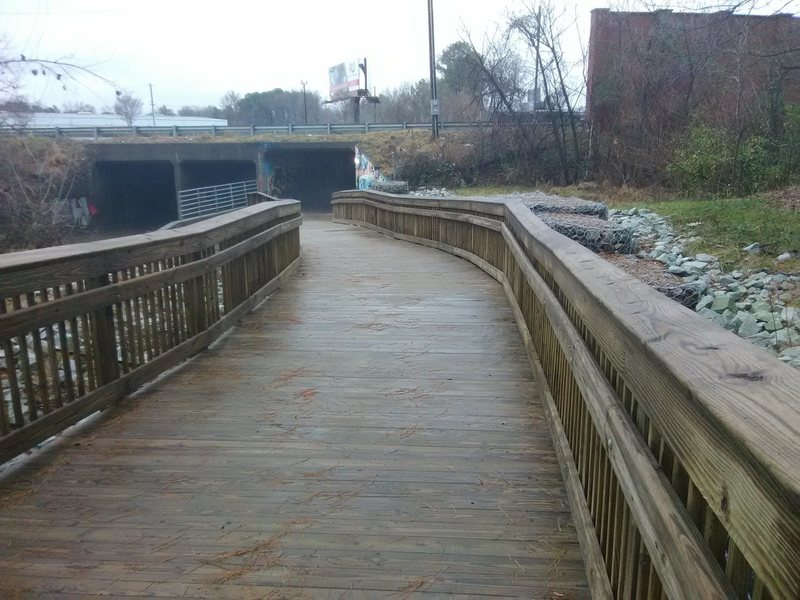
(133, 197)
(205, 173)
(309, 175)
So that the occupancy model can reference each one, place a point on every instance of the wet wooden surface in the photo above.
(372, 430)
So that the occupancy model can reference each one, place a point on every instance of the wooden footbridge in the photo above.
(491, 411)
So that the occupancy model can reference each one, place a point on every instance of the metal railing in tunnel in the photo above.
(213, 199)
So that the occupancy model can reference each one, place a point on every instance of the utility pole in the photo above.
(432, 51)
(152, 105)
(305, 106)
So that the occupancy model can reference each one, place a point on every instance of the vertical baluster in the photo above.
(119, 325)
(104, 340)
(132, 327)
(621, 552)
(642, 573)
(25, 363)
(13, 384)
(610, 512)
(88, 345)
(737, 571)
(630, 569)
(52, 356)
(41, 363)
(654, 589)
(175, 309)
(760, 591)
(716, 536)
(75, 334)
(66, 365)
(152, 317)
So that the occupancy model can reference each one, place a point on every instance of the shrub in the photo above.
(716, 161)
(34, 174)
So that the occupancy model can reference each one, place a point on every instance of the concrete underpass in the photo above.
(134, 196)
(135, 186)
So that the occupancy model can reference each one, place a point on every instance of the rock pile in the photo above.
(754, 306)
(581, 220)
(590, 231)
(425, 192)
(391, 187)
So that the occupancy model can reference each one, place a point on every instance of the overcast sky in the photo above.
(193, 52)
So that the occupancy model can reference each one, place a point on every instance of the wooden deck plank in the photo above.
(372, 430)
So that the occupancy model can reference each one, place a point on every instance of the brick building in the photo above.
(652, 73)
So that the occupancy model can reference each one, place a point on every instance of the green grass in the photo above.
(492, 190)
(727, 225)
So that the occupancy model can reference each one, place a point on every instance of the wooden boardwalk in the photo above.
(372, 430)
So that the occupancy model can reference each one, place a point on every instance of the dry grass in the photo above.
(261, 556)
(306, 394)
(415, 585)
(285, 378)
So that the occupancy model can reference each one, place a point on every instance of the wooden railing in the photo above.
(679, 442)
(81, 326)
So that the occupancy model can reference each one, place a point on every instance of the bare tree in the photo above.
(129, 107)
(78, 107)
(542, 28)
(230, 105)
(36, 174)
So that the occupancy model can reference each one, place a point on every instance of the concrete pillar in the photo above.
(176, 168)
(260, 179)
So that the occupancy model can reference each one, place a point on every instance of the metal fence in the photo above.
(218, 130)
(199, 202)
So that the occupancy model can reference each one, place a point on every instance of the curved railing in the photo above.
(679, 442)
(81, 326)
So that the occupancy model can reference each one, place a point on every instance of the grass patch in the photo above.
(492, 190)
(727, 225)
(611, 196)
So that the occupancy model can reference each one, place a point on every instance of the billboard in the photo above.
(344, 78)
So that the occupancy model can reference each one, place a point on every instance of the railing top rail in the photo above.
(20, 270)
(728, 411)
(725, 373)
(755, 396)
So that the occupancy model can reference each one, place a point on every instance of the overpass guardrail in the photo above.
(97, 133)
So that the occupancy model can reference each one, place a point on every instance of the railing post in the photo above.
(196, 302)
(105, 341)
(213, 131)
(252, 131)
(329, 128)
(291, 129)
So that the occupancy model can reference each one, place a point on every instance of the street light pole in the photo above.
(152, 105)
(305, 106)
(432, 51)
